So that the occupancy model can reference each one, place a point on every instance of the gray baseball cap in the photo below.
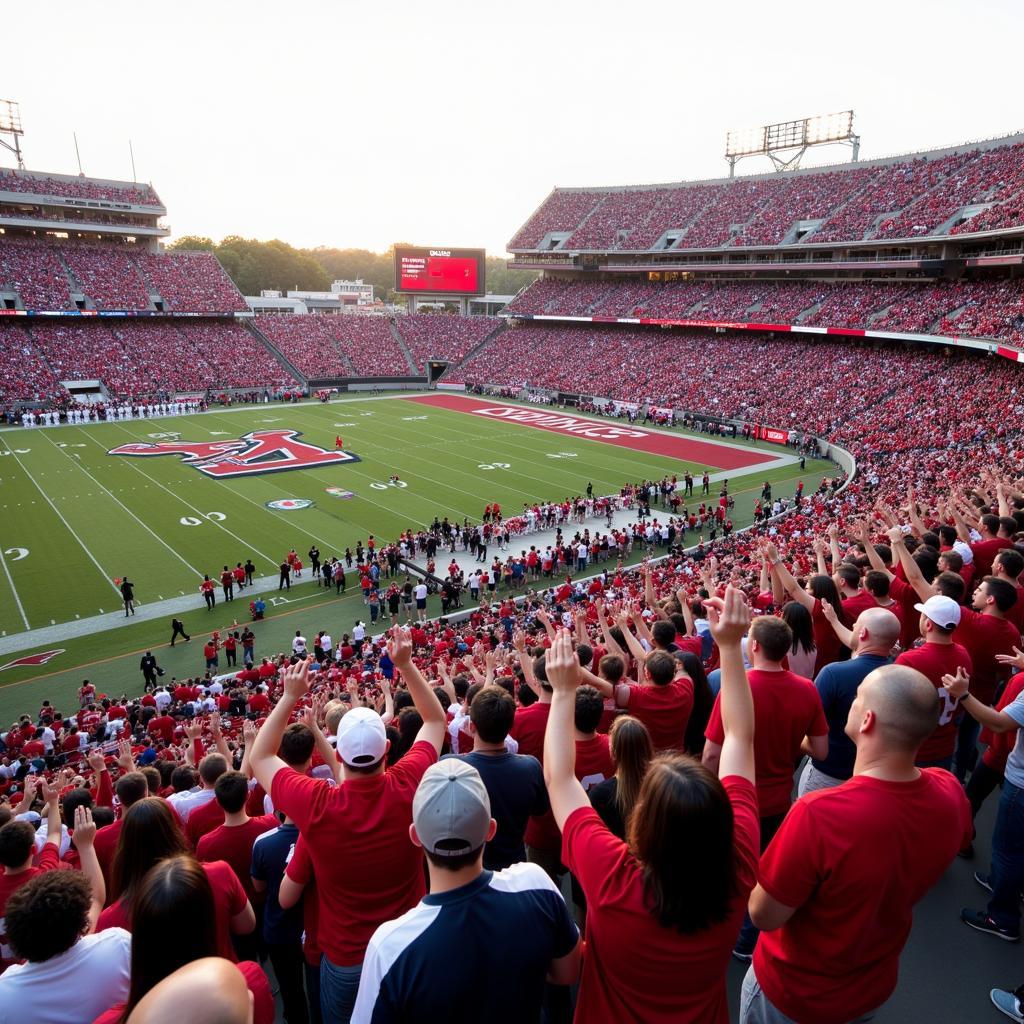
(451, 809)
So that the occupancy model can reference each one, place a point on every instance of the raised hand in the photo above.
(85, 827)
(561, 664)
(1016, 659)
(400, 646)
(956, 686)
(728, 616)
(96, 761)
(296, 680)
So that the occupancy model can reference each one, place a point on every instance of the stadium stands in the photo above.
(308, 342)
(904, 198)
(434, 336)
(77, 188)
(975, 309)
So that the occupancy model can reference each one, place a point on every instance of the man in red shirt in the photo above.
(367, 871)
(663, 702)
(232, 843)
(161, 726)
(839, 881)
(1008, 565)
(789, 721)
(983, 631)
(130, 788)
(996, 533)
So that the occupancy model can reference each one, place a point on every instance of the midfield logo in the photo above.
(260, 451)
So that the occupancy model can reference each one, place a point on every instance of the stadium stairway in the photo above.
(278, 355)
(414, 370)
(343, 357)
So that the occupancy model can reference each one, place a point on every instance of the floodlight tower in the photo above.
(793, 138)
(10, 124)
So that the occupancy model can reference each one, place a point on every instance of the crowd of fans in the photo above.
(114, 276)
(77, 188)
(968, 308)
(435, 336)
(904, 199)
(639, 731)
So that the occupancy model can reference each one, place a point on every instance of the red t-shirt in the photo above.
(204, 819)
(905, 595)
(233, 845)
(162, 726)
(367, 870)
(826, 642)
(229, 899)
(787, 708)
(665, 710)
(985, 636)
(860, 602)
(594, 761)
(934, 661)
(528, 728)
(999, 745)
(105, 845)
(49, 860)
(985, 552)
(256, 981)
(854, 860)
(634, 969)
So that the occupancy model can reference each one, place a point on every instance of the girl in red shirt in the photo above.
(679, 901)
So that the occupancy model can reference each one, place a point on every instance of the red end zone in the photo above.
(686, 449)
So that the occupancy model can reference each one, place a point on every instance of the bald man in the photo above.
(871, 639)
(840, 879)
(207, 991)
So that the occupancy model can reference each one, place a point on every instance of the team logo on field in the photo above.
(33, 659)
(289, 504)
(338, 492)
(259, 451)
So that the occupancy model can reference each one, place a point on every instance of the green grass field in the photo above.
(73, 518)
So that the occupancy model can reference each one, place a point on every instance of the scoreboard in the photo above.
(439, 270)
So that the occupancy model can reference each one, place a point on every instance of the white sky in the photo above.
(446, 122)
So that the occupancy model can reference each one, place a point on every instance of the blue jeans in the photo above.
(338, 989)
(747, 940)
(1007, 875)
(966, 746)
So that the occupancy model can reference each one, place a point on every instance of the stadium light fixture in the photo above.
(10, 124)
(791, 137)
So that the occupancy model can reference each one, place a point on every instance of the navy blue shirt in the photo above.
(477, 953)
(837, 685)
(515, 785)
(270, 855)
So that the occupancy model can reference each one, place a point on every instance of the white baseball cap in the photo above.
(362, 738)
(943, 611)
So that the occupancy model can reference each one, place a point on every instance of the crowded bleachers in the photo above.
(77, 188)
(36, 273)
(435, 336)
(370, 346)
(108, 275)
(975, 308)
(24, 374)
(904, 198)
(191, 282)
(308, 342)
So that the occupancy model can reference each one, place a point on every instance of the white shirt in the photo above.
(77, 985)
(359, 631)
(325, 643)
(299, 645)
(189, 801)
(420, 591)
(162, 698)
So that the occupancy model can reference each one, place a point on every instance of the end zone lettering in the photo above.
(554, 421)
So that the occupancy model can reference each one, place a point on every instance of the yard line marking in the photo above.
(155, 536)
(14, 591)
(134, 464)
(92, 558)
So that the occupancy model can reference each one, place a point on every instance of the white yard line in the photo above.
(155, 536)
(14, 591)
(92, 558)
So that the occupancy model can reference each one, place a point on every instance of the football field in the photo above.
(187, 495)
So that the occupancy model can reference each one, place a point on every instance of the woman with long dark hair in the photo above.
(174, 922)
(677, 888)
(803, 653)
(821, 589)
(703, 702)
(631, 750)
(150, 833)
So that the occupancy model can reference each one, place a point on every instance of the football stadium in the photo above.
(643, 644)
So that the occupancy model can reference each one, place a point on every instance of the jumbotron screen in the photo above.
(444, 271)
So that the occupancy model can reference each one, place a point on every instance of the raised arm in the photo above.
(862, 533)
(635, 647)
(910, 568)
(786, 578)
(327, 753)
(564, 790)
(730, 620)
(423, 697)
(820, 547)
(845, 635)
(85, 833)
(957, 687)
(263, 757)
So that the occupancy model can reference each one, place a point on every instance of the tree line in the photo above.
(254, 266)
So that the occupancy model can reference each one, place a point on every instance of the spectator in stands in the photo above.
(680, 902)
(891, 831)
(406, 970)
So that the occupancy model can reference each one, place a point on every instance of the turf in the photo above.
(86, 517)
